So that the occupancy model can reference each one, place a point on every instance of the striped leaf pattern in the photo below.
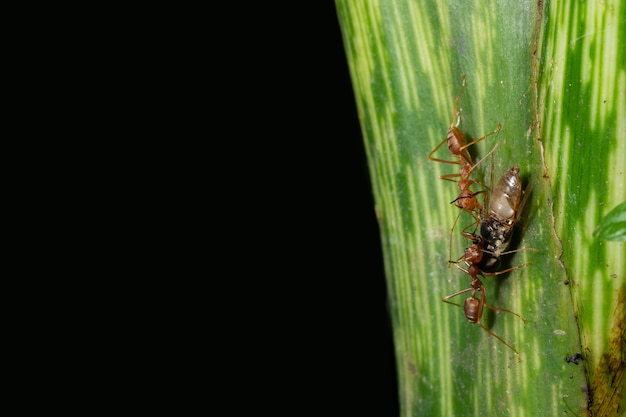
(583, 109)
(553, 76)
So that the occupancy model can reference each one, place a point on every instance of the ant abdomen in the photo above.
(473, 309)
(457, 145)
(506, 196)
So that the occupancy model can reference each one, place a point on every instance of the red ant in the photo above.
(457, 145)
(473, 307)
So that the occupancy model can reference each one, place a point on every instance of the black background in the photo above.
(363, 355)
(321, 239)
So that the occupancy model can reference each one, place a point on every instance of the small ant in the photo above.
(473, 307)
(457, 145)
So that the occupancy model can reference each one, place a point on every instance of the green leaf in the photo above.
(582, 108)
(554, 76)
(613, 225)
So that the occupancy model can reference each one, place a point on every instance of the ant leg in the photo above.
(484, 302)
(484, 137)
(484, 201)
(471, 254)
(518, 250)
(476, 224)
(519, 357)
(449, 177)
(456, 145)
(478, 163)
(447, 297)
(456, 102)
(502, 272)
(491, 274)
(451, 233)
(506, 311)
(445, 161)
(456, 263)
